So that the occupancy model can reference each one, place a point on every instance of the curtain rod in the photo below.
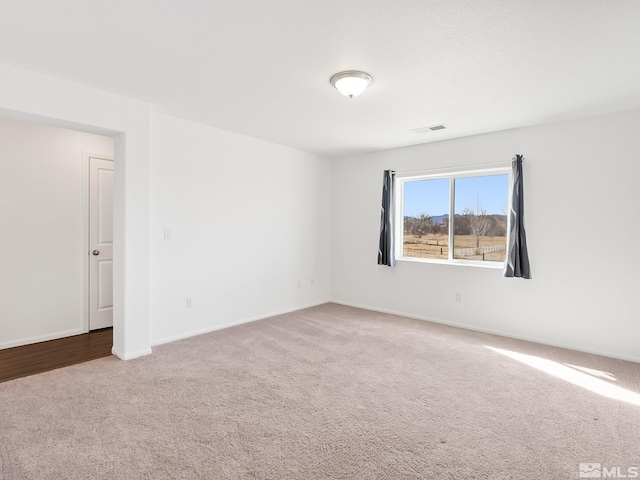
(457, 167)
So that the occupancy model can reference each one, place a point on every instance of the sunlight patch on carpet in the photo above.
(570, 373)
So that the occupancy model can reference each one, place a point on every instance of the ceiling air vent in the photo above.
(432, 128)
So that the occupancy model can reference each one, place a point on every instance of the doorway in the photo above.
(44, 250)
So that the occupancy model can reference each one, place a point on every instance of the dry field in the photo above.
(436, 246)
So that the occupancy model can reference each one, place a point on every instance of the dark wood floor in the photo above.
(41, 357)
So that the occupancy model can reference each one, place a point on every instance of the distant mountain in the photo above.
(438, 219)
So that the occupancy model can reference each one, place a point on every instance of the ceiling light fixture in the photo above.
(351, 83)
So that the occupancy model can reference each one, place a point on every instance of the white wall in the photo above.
(581, 194)
(249, 220)
(42, 253)
(25, 94)
(581, 296)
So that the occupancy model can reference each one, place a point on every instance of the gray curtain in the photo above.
(517, 264)
(386, 255)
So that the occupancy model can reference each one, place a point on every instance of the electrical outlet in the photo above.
(458, 296)
(299, 284)
(168, 234)
(189, 302)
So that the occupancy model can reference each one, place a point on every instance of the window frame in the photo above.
(452, 174)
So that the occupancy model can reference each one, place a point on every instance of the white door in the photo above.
(100, 243)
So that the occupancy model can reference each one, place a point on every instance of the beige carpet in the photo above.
(330, 392)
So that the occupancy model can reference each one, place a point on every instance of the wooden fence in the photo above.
(467, 252)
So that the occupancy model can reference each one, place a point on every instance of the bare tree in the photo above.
(478, 221)
(421, 225)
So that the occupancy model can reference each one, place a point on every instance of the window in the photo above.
(455, 217)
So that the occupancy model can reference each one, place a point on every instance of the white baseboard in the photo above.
(40, 338)
(194, 333)
(131, 356)
(491, 331)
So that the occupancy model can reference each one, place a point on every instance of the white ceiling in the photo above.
(262, 68)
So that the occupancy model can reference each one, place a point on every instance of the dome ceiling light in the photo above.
(351, 83)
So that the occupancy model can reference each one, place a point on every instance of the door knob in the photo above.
(96, 252)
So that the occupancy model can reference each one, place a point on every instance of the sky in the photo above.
(432, 196)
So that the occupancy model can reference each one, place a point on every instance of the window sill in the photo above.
(458, 263)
